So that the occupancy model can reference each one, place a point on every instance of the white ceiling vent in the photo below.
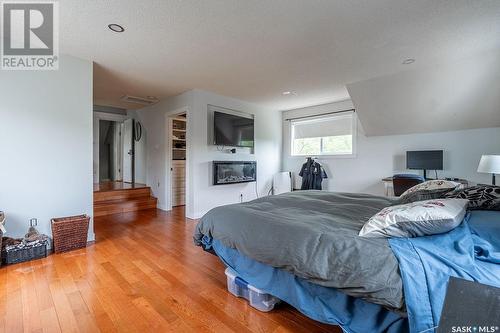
(150, 100)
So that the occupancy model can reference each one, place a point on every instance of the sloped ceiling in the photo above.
(453, 96)
(255, 50)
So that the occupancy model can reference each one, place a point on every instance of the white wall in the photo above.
(46, 145)
(267, 151)
(381, 156)
(202, 195)
(154, 121)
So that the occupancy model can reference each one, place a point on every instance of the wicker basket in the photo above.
(70, 233)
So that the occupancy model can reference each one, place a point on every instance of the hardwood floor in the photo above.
(142, 275)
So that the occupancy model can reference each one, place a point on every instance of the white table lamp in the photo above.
(489, 164)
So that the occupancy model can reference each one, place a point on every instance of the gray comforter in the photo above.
(314, 235)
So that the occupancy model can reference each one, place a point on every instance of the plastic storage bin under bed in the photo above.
(257, 298)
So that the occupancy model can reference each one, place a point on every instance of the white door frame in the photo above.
(168, 157)
(102, 116)
(128, 156)
(119, 151)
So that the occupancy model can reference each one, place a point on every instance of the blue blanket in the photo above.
(470, 251)
(324, 304)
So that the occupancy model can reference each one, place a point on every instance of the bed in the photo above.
(303, 247)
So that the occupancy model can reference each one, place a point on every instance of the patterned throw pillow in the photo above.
(431, 189)
(416, 219)
(481, 197)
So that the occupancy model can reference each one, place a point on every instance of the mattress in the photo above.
(314, 236)
(323, 304)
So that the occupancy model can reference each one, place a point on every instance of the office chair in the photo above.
(403, 182)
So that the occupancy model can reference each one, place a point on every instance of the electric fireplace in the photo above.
(233, 172)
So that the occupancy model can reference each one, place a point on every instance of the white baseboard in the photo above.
(161, 207)
(196, 216)
(91, 237)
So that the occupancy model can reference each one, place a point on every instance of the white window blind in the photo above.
(324, 135)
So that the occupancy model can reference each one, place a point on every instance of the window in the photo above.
(324, 135)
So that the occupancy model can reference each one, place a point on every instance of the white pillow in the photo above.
(416, 219)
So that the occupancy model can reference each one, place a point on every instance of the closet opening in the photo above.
(178, 152)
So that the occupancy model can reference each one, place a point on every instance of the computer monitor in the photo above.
(424, 160)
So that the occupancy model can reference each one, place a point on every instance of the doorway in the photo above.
(110, 151)
(115, 138)
(177, 137)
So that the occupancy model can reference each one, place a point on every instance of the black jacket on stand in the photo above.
(312, 174)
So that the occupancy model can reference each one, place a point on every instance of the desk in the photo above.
(390, 189)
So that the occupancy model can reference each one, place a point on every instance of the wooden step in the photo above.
(121, 200)
(125, 194)
(108, 207)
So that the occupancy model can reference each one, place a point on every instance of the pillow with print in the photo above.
(415, 219)
(481, 197)
(431, 189)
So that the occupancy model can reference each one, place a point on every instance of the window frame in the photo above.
(354, 131)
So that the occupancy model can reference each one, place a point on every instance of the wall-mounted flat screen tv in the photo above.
(232, 130)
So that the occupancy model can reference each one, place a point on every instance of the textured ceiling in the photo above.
(255, 50)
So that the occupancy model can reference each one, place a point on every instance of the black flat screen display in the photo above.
(424, 160)
(231, 130)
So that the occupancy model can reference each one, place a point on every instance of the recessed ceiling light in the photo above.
(408, 61)
(286, 92)
(116, 27)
